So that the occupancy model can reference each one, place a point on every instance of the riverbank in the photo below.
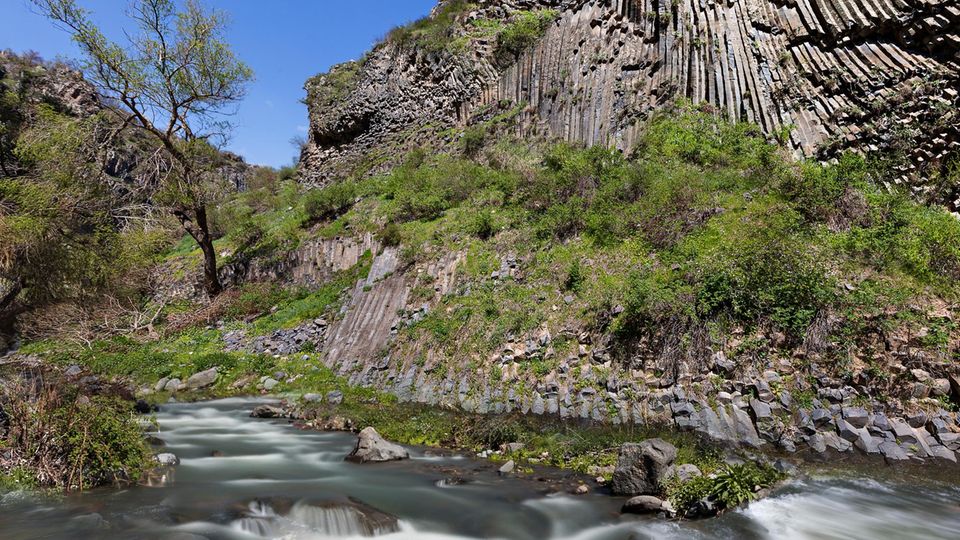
(240, 476)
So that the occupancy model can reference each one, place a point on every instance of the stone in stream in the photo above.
(642, 467)
(267, 411)
(371, 447)
(167, 459)
(643, 504)
(202, 379)
(507, 468)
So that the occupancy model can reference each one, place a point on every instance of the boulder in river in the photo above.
(371, 447)
(167, 459)
(642, 467)
(268, 411)
(644, 504)
(202, 379)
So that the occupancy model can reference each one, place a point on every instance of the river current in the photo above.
(241, 478)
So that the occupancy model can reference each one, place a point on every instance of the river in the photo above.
(242, 478)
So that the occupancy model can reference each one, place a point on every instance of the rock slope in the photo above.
(829, 75)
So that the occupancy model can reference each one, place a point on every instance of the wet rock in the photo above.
(267, 411)
(582, 489)
(643, 504)
(202, 379)
(943, 452)
(785, 467)
(642, 467)
(167, 459)
(892, 452)
(507, 468)
(91, 521)
(142, 407)
(371, 447)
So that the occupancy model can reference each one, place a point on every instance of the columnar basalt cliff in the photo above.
(831, 75)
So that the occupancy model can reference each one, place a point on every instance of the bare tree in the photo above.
(177, 80)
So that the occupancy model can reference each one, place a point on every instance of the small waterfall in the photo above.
(259, 519)
(342, 520)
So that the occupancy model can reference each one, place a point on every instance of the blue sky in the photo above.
(284, 41)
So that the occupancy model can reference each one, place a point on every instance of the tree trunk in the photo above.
(198, 227)
(211, 280)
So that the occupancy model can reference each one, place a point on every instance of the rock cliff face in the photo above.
(829, 75)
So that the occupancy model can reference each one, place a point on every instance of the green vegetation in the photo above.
(431, 34)
(63, 439)
(179, 58)
(523, 30)
(726, 487)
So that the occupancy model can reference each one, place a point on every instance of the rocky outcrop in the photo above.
(827, 75)
(372, 448)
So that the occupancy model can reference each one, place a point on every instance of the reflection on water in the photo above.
(241, 478)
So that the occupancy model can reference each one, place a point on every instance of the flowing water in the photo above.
(242, 478)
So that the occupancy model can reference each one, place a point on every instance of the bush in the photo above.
(575, 277)
(772, 276)
(898, 234)
(525, 28)
(70, 441)
(431, 34)
(390, 235)
(817, 189)
(473, 139)
(730, 487)
(330, 201)
(481, 225)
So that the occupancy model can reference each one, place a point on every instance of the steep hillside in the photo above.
(878, 76)
(76, 195)
(544, 207)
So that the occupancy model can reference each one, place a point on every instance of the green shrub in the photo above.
(330, 201)
(575, 277)
(522, 31)
(770, 276)
(391, 235)
(472, 141)
(901, 235)
(817, 189)
(728, 488)
(431, 34)
(481, 225)
(70, 441)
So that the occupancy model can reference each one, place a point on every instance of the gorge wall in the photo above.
(828, 75)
